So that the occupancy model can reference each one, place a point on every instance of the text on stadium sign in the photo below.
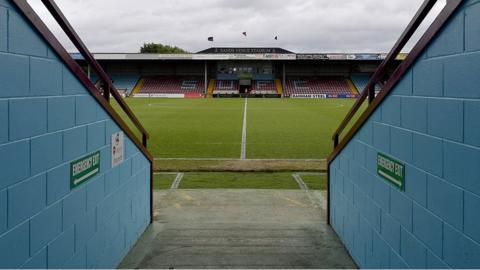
(391, 170)
(83, 169)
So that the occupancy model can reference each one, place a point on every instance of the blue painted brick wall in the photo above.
(47, 120)
(429, 122)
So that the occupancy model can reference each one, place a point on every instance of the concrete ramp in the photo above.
(239, 229)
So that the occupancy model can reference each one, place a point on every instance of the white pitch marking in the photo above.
(176, 183)
(300, 182)
(243, 151)
(236, 159)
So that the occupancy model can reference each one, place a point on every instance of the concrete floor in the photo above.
(239, 229)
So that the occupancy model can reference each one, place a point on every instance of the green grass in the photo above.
(233, 180)
(315, 181)
(163, 181)
(212, 128)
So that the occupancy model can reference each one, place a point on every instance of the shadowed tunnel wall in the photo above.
(47, 120)
(429, 122)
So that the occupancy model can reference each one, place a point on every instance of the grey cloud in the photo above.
(302, 25)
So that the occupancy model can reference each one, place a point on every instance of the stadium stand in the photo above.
(330, 86)
(361, 80)
(172, 85)
(264, 87)
(226, 87)
(125, 82)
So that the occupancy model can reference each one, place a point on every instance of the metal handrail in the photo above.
(369, 90)
(106, 82)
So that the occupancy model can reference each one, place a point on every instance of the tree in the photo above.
(160, 48)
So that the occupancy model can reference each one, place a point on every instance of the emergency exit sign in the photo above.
(391, 170)
(83, 169)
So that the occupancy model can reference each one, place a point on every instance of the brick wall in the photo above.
(47, 120)
(430, 121)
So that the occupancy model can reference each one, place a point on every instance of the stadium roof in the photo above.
(249, 53)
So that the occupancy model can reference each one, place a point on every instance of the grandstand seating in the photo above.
(125, 82)
(172, 85)
(264, 87)
(361, 80)
(226, 87)
(330, 86)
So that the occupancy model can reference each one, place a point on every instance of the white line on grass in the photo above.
(177, 180)
(300, 182)
(237, 159)
(243, 151)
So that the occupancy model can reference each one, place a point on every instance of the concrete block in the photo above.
(28, 118)
(428, 78)
(445, 119)
(14, 256)
(428, 228)
(78, 261)
(414, 253)
(472, 219)
(126, 171)
(3, 28)
(3, 211)
(401, 208)
(15, 160)
(472, 125)
(434, 262)
(459, 251)
(450, 210)
(391, 111)
(472, 28)
(85, 229)
(373, 214)
(40, 70)
(74, 143)
(414, 113)
(391, 231)
(461, 78)
(397, 262)
(37, 261)
(96, 136)
(461, 164)
(112, 179)
(61, 249)
(401, 144)
(26, 199)
(381, 137)
(416, 185)
(46, 152)
(14, 75)
(85, 110)
(405, 85)
(365, 134)
(4, 121)
(450, 39)
(61, 113)
(22, 38)
(58, 183)
(428, 153)
(74, 207)
(95, 192)
(45, 227)
(71, 85)
(381, 194)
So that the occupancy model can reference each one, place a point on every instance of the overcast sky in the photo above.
(301, 25)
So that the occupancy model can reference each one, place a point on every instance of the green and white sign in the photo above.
(391, 170)
(83, 169)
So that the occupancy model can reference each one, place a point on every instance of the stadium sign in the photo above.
(83, 169)
(117, 148)
(246, 50)
(308, 96)
(391, 170)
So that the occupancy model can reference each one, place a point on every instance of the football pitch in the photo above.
(230, 129)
